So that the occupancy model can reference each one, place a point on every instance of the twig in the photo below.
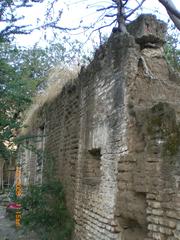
(98, 29)
(135, 9)
(106, 8)
(110, 15)
(170, 8)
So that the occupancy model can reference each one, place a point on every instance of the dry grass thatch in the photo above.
(58, 78)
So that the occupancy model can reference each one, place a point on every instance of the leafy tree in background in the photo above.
(22, 71)
(15, 96)
(172, 52)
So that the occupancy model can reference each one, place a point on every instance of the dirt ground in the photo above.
(8, 230)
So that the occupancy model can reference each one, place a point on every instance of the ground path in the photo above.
(8, 229)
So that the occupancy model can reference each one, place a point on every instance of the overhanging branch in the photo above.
(173, 13)
(170, 7)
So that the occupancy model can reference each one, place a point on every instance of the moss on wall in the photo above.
(161, 124)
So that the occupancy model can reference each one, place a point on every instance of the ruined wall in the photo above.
(1, 173)
(102, 140)
(112, 138)
(51, 147)
(7, 172)
(62, 121)
(148, 175)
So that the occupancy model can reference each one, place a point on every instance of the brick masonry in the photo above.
(112, 138)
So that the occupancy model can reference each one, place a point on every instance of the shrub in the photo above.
(46, 211)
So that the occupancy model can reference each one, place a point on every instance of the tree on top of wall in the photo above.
(119, 11)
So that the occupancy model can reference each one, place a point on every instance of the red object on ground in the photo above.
(13, 205)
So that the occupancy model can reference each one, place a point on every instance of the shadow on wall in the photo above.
(132, 215)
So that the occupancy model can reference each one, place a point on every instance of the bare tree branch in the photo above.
(104, 26)
(99, 28)
(22, 5)
(12, 20)
(62, 28)
(175, 20)
(106, 8)
(124, 4)
(135, 9)
(170, 7)
(53, 25)
(9, 30)
(110, 15)
(173, 13)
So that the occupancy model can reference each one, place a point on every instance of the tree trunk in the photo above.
(121, 17)
(172, 11)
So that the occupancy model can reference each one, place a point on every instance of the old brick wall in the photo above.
(62, 131)
(102, 141)
(112, 138)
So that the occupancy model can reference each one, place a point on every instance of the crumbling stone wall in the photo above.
(7, 172)
(62, 119)
(112, 138)
(51, 147)
(1, 172)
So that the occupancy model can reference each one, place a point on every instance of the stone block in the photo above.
(147, 29)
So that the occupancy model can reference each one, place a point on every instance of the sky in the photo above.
(75, 12)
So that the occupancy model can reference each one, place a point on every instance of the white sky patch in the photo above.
(79, 12)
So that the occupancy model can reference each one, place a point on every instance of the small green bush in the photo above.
(46, 212)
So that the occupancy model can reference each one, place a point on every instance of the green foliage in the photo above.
(67, 52)
(15, 96)
(31, 64)
(12, 194)
(172, 145)
(47, 212)
(23, 72)
(172, 50)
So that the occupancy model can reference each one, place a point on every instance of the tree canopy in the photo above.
(16, 91)
(23, 72)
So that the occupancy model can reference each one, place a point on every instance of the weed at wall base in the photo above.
(46, 212)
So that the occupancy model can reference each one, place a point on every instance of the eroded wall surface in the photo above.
(1, 173)
(112, 138)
